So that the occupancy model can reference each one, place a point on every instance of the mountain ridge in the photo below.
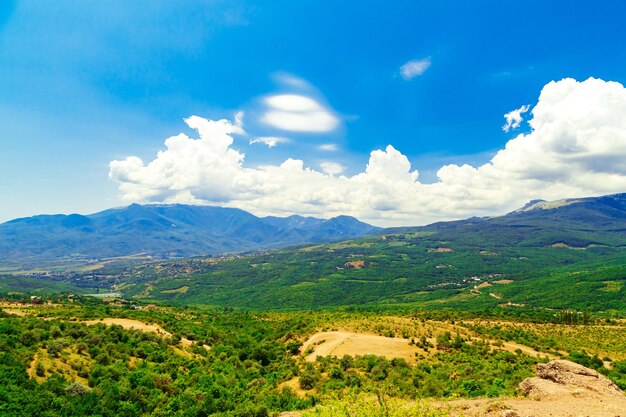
(163, 230)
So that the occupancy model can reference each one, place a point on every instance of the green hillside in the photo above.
(429, 269)
(571, 256)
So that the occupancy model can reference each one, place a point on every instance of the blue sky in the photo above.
(84, 83)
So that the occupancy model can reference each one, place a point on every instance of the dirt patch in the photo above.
(139, 325)
(482, 285)
(132, 324)
(186, 343)
(565, 245)
(511, 304)
(355, 264)
(517, 407)
(503, 281)
(355, 344)
(440, 250)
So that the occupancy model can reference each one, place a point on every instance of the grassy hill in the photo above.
(566, 255)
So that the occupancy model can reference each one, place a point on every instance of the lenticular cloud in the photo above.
(576, 147)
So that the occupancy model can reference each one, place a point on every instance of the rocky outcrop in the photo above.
(562, 378)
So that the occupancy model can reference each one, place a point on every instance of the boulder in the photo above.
(560, 378)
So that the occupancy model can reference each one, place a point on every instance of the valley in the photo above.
(441, 320)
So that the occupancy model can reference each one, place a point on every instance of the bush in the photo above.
(77, 389)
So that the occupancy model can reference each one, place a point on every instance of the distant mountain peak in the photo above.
(165, 230)
(555, 204)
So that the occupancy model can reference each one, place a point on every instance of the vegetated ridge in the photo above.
(559, 256)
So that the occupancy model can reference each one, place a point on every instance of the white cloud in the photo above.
(332, 168)
(270, 141)
(238, 127)
(514, 118)
(328, 147)
(576, 147)
(414, 68)
(298, 113)
(291, 80)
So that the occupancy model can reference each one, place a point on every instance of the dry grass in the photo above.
(356, 344)
(68, 364)
(180, 290)
(131, 324)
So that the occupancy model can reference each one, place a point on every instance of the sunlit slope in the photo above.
(569, 256)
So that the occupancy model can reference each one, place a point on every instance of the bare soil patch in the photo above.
(132, 324)
(440, 250)
(565, 245)
(139, 325)
(355, 264)
(341, 343)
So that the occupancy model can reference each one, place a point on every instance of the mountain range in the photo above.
(547, 255)
(163, 231)
(576, 222)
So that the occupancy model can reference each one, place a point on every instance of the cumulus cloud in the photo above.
(298, 113)
(328, 147)
(576, 147)
(270, 141)
(414, 68)
(514, 118)
(332, 168)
